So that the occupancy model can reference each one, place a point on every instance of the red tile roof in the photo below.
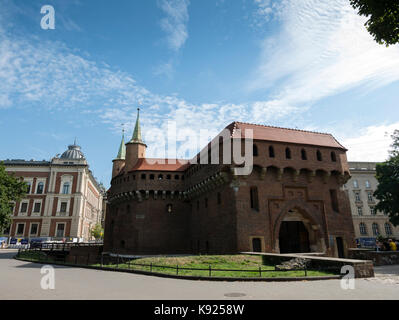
(277, 134)
(152, 164)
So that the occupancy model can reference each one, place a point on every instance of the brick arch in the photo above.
(306, 210)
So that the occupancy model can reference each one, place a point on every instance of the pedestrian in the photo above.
(385, 246)
(392, 245)
(378, 245)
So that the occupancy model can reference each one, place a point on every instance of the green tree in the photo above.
(12, 189)
(97, 232)
(388, 183)
(383, 23)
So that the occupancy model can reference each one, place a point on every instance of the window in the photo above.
(29, 185)
(169, 208)
(219, 196)
(357, 196)
(254, 198)
(376, 232)
(36, 207)
(318, 156)
(333, 157)
(334, 200)
(367, 184)
(363, 229)
(60, 230)
(20, 228)
(168, 177)
(152, 177)
(287, 153)
(360, 211)
(65, 188)
(355, 184)
(63, 206)
(388, 229)
(24, 207)
(271, 152)
(160, 177)
(40, 188)
(255, 150)
(372, 211)
(143, 177)
(370, 196)
(206, 202)
(303, 155)
(34, 227)
(177, 177)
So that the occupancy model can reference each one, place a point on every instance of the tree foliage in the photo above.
(12, 189)
(388, 183)
(383, 22)
(97, 232)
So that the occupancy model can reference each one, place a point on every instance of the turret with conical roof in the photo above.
(135, 148)
(119, 161)
(122, 148)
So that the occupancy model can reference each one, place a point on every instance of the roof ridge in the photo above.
(166, 159)
(276, 127)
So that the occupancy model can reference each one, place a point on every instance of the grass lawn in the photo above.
(236, 262)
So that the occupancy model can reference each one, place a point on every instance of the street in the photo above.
(21, 280)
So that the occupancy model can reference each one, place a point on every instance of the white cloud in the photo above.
(371, 144)
(50, 75)
(322, 49)
(175, 22)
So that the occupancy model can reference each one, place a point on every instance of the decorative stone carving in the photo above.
(311, 175)
(279, 174)
(326, 176)
(296, 175)
(263, 173)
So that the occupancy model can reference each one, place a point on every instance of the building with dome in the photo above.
(64, 200)
(291, 200)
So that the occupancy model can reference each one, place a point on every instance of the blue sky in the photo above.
(201, 64)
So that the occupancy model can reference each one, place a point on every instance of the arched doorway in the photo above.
(297, 232)
(293, 237)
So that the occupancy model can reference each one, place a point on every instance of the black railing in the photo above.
(115, 262)
(59, 246)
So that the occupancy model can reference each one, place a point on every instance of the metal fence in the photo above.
(116, 262)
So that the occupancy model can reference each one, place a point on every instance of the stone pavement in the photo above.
(21, 280)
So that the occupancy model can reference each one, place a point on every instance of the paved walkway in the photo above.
(21, 280)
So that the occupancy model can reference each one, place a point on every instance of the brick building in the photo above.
(63, 201)
(368, 222)
(292, 201)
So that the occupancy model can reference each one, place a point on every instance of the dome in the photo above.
(73, 153)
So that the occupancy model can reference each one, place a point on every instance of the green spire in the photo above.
(122, 148)
(136, 138)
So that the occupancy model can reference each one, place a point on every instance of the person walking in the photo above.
(392, 245)
(378, 246)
